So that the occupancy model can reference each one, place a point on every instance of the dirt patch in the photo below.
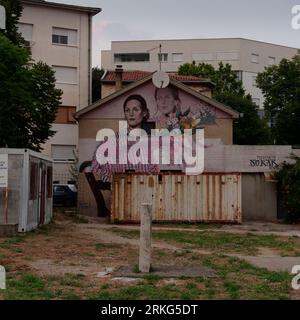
(272, 263)
(65, 247)
(49, 267)
(70, 259)
(267, 252)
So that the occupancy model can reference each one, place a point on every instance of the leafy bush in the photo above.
(288, 186)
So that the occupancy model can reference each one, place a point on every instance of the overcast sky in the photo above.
(264, 20)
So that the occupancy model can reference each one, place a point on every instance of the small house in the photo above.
(234, 185)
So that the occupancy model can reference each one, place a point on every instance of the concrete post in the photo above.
(145, 238)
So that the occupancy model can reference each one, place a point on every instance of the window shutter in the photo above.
(65, 74)
(63, 153)
(26, 30)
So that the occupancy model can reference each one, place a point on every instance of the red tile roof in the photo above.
(127, 75)
(135, 75)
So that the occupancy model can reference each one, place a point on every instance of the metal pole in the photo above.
(160, 57)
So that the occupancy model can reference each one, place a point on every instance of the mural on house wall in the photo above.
(171, 114)
(145, 108)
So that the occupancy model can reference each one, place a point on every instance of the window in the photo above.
(26, 31)
(228, 56)
(239, 75)
(131, 57)
(211, 56)
(33, 180)
(255, 58)
(254, 81)
(63, 153)
(206, 56)
(177, 57)
(65, 114)
(65, 74)
(64, 36)
(163, 57)
(59, 39)
(271, 60)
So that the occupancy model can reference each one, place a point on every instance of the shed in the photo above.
(176, 197)
(25, 189)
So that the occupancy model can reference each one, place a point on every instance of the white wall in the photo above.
(237, 52)
(43, 20)
(77, 56)
(188, 47)
(66, 134)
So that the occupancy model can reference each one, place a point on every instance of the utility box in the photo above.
(25, 189)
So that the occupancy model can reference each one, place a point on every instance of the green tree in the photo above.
(280, 85)
(13, 13)
(97, 74)
(74, 168)
(46, 99)
(198, 70)
(288, 187)
(249, 128)
(224, 78)
(28, 98)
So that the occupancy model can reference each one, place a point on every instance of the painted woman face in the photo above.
(165, 101)
(134, 114)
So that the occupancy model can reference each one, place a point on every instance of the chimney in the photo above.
(119, 77)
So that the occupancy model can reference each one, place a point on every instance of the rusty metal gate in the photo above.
(178, 197)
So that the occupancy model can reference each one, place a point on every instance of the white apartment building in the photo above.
(247, 57)
(61, 36)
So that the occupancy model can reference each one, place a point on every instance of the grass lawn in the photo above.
(61, 261)
(235, 279)
(223, 241)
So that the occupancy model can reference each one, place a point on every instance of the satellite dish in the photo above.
(160, 79)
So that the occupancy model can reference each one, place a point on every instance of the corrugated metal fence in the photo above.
(178, 197)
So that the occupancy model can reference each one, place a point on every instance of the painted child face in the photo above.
(165, 101)
(134, 114)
